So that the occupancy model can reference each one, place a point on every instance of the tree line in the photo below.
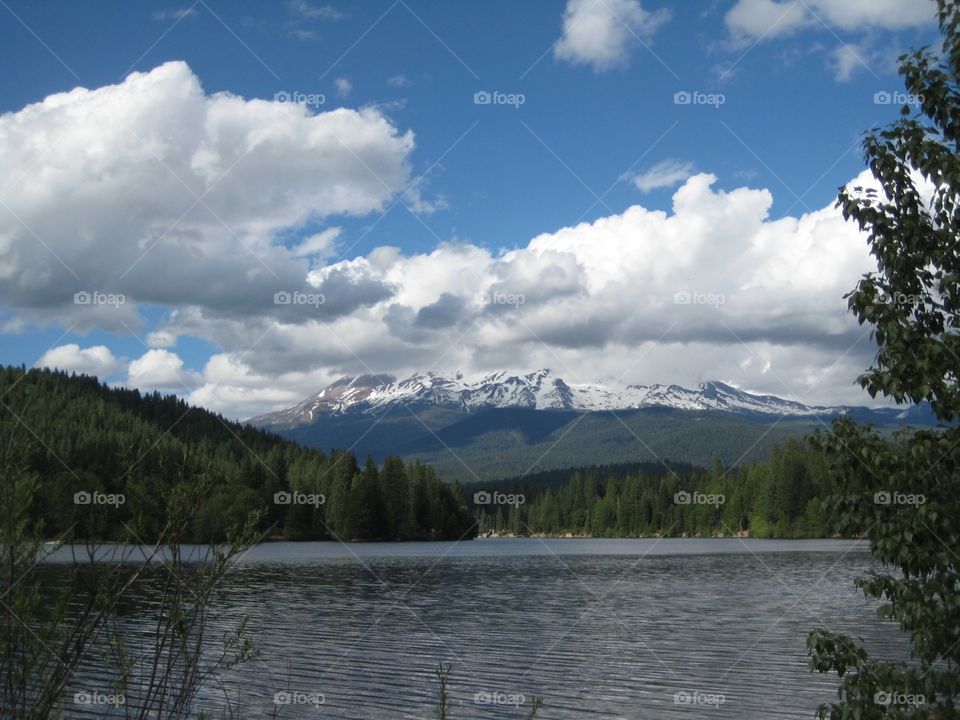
(108, 461)
(780, 498)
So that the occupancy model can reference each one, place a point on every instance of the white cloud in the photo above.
(849, 59)
(96, 360)
(161, 339)
(665, 173)
(174, 14)
(399, 81)
(343, 86)
(309, 11)
(884, 14)
(160, 369)
(601, 33)
(234, 388)
(319, 245)
(599, 303)
(768, 19)
(12, 326)
(155, 190)
(598, 298)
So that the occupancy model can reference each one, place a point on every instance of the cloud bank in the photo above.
(715, 289)
(152, 192)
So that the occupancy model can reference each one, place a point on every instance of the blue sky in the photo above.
(594, 129)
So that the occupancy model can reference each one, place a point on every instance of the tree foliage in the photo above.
(779, 498)
(902, 494)
(50, 628)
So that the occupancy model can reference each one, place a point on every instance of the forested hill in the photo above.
(556, 479)
(107, 462)
(782, 498)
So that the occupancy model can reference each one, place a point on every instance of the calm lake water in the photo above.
(674, 628)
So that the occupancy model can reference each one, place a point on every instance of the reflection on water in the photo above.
(599, 628)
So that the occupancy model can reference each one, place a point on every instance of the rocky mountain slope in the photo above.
(540, 390)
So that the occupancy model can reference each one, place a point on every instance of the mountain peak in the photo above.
(361, 381)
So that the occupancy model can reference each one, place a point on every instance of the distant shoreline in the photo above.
(492, 536)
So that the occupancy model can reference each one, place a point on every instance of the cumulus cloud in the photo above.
(714, 289)
(154, 190)
(161, 339)
(665, 173)
(159, 369)
(96, 360)
(601, 33)
(240, 392)
(767, 19)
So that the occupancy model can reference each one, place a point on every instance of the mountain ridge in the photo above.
(371, 394)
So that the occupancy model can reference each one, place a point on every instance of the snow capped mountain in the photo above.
(539, 390)
(720, 396)
(337, 397)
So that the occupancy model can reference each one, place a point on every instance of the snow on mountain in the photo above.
(540, 390)
(337, 397)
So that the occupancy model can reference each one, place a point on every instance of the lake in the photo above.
(672, 628)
